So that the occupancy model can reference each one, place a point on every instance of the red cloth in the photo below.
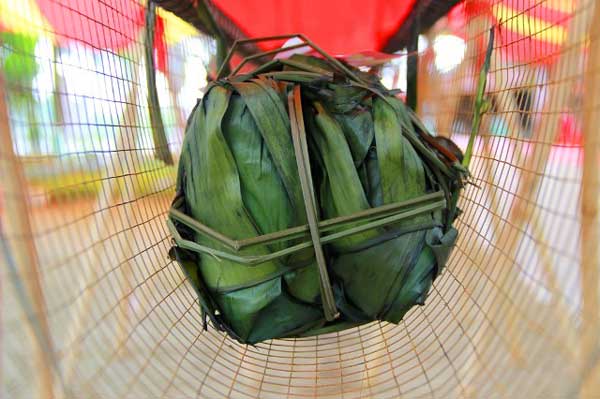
(570, 131)
(537, 48)
(338, 26)
(112, 24)
(98, 23)
(160, 46)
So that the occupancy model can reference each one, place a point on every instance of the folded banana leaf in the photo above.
(304, 187)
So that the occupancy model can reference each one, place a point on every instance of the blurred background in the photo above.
(95, 97)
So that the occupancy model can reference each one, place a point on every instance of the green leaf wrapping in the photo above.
(358, 129)
(401, 170)
(217, 200)
(272, 122)
(341, 190)
(238, 175)
(263, 193)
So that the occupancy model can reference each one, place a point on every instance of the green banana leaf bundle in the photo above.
(309, 200)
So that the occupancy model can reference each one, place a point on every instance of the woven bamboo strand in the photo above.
(291, 233)
(20, 234)
(161, 145)
(590, 219)
(305, 43)
(255, 260)
(297, 124)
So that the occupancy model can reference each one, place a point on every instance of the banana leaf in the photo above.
(240, 219)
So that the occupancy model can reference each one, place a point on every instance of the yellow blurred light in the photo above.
(23, 16)
(176, 29)
(566, 6)
(529, 26)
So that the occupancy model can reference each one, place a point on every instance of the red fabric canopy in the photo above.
(528, 31)
(110, 24)
(113, 24)
(338, 26)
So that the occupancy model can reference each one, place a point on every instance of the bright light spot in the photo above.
(423, 43)
(91, 75)
(449, 52)
(195, 76)
(393, 75)
(99, 85)
(44, 81)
